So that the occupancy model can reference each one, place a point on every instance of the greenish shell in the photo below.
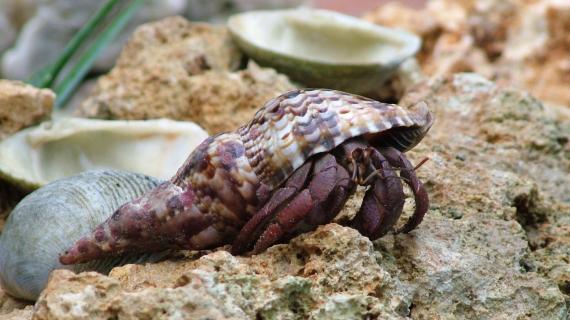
(64, 147)
(321, 48)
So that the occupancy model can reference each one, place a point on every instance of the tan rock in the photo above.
(182, 70)
(22, 105)
(511, 126)
(222, 101)
(10, 305)
(331, 273)
(538, 53)
(497, 150)
(516, 42)
(220, 286)
(178, 43)
(19, 314)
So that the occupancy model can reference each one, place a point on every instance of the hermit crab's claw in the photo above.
(408, 174)
(312, 196)
(164, 217)
(383, 202)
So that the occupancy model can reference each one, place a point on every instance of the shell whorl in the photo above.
(52, 218)
(296, 125)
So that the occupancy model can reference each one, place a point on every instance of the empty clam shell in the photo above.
(67, 146)
(322, 48)
(52, 218)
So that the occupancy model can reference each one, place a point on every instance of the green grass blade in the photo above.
(66, 87)
(45, 77)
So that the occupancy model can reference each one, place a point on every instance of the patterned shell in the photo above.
(298, 124)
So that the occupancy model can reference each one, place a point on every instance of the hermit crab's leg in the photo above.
(383, 202)
(330, 187)
(249, 233)
(286, 214)
(398, 159)
(319, 203)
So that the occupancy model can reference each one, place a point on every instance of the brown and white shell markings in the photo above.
(290, 169)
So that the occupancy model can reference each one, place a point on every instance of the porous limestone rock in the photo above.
(55, 22)
(487, 127)
(517, 42)
(450, 268)
(218, 100)
(184, 71)
(293, 281)
(11, 305)
(22, 105)
(504, 154)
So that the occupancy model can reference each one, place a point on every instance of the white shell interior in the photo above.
(324, 36)
(68, 146)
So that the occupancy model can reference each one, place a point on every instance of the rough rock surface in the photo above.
(184, 71)
(504, 154)
(22, 105)
(518, 42)
(494, 244)
(9, 304)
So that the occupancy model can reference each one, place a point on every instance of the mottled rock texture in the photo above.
(10, 305)
(493, 245)
(22, 105)
(184, 71)
(519, 42)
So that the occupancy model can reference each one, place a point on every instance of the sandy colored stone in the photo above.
(22, 105)
(177, 42)
(217, 100)
(9, 304)
(485, 127)
(222, 101)
(517, 42)
(537, 55)
(332, 272)
(184, 71)
(19, 314)
(151, 77)
(496, 149)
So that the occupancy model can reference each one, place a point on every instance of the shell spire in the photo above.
(152, 222)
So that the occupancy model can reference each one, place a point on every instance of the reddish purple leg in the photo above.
(383, 202)
(398, 160)
(312, 196)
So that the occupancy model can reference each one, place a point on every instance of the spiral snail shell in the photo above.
(53, 217)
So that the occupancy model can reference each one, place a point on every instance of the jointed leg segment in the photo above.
(317, 191)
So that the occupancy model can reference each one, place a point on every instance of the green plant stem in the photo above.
(85, 61)
(46, 76)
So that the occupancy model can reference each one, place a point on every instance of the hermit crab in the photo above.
(288, 170)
